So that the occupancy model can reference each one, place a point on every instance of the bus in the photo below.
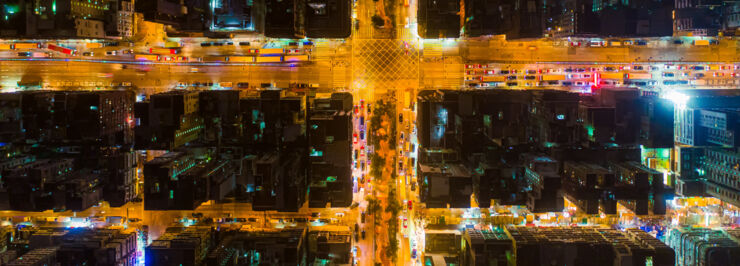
(245, 59)
(639, 76)
(29, 84)
(171, 45)
(493, 78)
(296, 58)
(271, 51)
(701, 42)
(618, 76)
(7, 46)
(61, 49)
(268, 59)
(215, 59)
(146, 57)
(27, 45)
(552, 77)
(40, 55)
(164, 51)
(93, 45)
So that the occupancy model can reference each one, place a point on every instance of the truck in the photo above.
(246, 59)
(40, 55)
(215, 59)
(226, 84)
(27, 45)
(146, 57)
(268, 59)
(618, 76)
(641, 75)
(493, 78)
(64, 50)
(701, 42)
(296, 58)
(271, 51)
(552, 77)
(171, 45)
(93, 45)
(164, 51)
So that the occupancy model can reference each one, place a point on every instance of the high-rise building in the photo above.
(330, 149)
(120, 22)
(697, 17)
(169, 120)
(328, 19)
(54, 18)
(515, 19)
(439, 19)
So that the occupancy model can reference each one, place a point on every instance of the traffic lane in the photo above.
(157, 75)
(623, 54)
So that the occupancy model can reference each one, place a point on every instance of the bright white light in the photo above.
(676, 97)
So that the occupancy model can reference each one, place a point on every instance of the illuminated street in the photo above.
(446, 137)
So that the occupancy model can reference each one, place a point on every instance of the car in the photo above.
(362, 134)
(363, 234)
(609, 69)
(205, 44)
(413, 186)
(512, 77)
(400, 118)
(218, 44)
(24, 54)
(111, 53)
(580, 83)
(567, 83)
(182, 84)
(243, 85)
(530, 77)
(243, 43)
(552, 82)
(405, 223)
(229, 43)
(530, 71)
(641, 42)
(413, 254)
(411, 204)
(580, 70)
(697, 68)
(511, 84)
(596, 44)
(637, 68)
(677, 41)
(504, 72)
(126, 84)
(354, 138)
(568, 70)
(357, 227)
(208, 84)
(362, 217)
(87, 54)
